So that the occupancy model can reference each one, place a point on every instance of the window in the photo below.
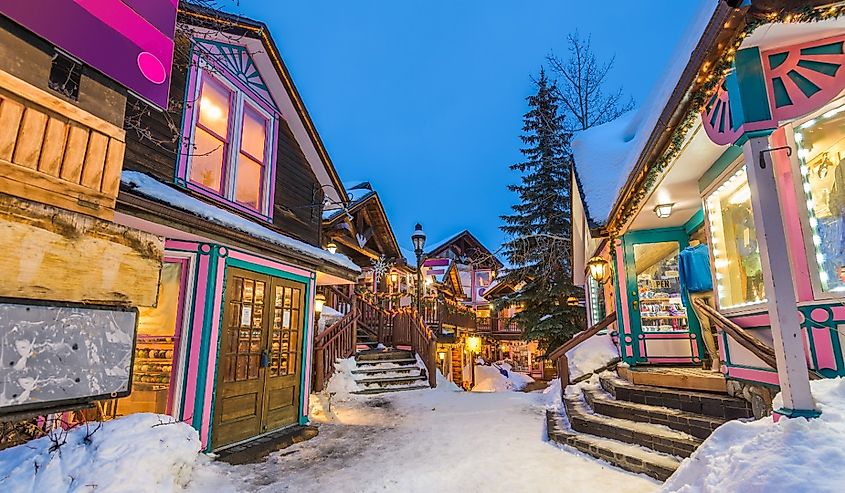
(821, 153)
(662, 308)
(231, 155)
(736, 254)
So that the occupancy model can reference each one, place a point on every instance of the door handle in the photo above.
(634, 304)
(265, 359)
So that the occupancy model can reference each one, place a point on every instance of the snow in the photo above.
(440, 440)
(590, 355)
(327, 317)
(606, 154)
(490, 379)
(154, 189)
(134, 454)
(791, 455)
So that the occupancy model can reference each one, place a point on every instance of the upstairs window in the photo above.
(231, 127)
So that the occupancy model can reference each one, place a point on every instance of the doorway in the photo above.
(663, 326)
(260, 367)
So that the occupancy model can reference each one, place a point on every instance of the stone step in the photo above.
(395, 369)
(384, 390)
(655, 437)
(383, 354)
(697, 425)
(625, 456)
(401, 362)
(407, 379)
(715, 405)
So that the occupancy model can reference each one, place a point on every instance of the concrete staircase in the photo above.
(388, 370)
(641, 428)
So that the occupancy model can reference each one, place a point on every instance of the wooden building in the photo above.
(66, 259)
(740, 151)
(234, 176)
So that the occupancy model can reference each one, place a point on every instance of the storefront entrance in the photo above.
(663, 328)
(259, 372)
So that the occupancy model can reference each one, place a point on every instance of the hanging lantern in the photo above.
(599, 269)
(319, 302)
(331, 247)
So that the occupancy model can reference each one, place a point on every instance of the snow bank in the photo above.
(342, 383)
(605, 155)
(490, 379)
(137, 453)
(591, 355)
(327, 318)
(791, 455)
(154, 189)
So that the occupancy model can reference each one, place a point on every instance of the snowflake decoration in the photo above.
(381, 266)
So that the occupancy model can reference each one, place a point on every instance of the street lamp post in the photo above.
(418, 238)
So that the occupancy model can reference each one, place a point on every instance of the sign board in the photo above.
(55, 355)
(130, 41)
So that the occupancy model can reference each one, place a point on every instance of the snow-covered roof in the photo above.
(605, 155)
(154, 189)
(357, 191)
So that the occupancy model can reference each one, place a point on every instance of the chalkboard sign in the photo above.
(55, 356)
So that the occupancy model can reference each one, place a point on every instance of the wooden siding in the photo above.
(56, 153)
(56, 255)
(151, 143)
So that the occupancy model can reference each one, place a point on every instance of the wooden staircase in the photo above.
(370, 334)
(644, 429)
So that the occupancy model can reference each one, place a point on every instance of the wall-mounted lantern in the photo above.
(332, 247)
(599, 269)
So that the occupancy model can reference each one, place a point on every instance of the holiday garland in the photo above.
(710, 83)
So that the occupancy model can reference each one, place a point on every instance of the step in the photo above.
(385, 390)
(395, 369)
(675, 377)
(401, 362)
(625, 456)
(697, 425)
(656, 437)
(715, 405)
(383, 354)
(391, 380)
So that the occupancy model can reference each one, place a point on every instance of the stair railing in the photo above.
(559, 354)
(339, 300)
(744, 338)
(407, 328)
(338, 341)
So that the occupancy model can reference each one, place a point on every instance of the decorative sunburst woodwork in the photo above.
(717, 119)
(804, 77)
(236, 60)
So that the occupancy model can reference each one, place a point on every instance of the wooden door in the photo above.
(284, 372)
(240, 382)
(260, 366)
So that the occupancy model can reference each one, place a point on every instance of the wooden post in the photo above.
(777, 278)
(319, 370)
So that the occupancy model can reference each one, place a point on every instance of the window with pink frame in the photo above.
(230, 155)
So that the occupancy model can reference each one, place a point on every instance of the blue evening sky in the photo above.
(425, 99)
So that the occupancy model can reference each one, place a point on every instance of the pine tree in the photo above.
(539, 246)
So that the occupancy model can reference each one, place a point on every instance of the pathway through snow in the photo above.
(432, 440)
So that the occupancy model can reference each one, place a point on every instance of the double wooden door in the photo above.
(260, 367)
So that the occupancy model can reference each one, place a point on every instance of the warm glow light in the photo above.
(394, 278)
(473, 344)
(319, 302)
(663, 210)
(599, 269)
(210, 110)
(441, 355)
(332, 247)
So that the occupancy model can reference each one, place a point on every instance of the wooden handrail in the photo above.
(745, 339)
(338, 341)
(407, 327)
(559, 354)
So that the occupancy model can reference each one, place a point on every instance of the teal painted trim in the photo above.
(180, 180)
(798, 413)
(242, 264)
(754, 134)
(751, 85)
(727, 349)
(695, 222)
(620, 322)
(217, 359)
(202, 370)
(719, 166)
(678, 235)
(306, 336)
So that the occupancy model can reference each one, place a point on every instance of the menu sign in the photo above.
(130, 41)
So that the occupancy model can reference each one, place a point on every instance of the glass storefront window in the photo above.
(659, 287)
(821, 152)
(739, 272)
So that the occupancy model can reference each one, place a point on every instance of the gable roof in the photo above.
(362, 196)
(204, 17)
(441, 246)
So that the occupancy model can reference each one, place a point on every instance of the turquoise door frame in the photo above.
(678, 235)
